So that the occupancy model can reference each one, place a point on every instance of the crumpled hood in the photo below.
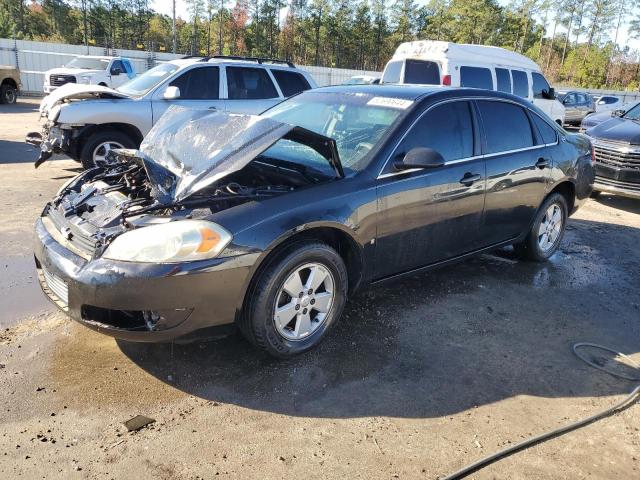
(199, 147)
(74, 91)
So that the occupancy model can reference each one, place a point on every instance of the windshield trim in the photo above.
(151, 91)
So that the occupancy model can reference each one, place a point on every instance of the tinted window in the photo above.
(417, 71)
(249, 84)
(117, 64)
(545, 131)
(447, 129)
(520, 83)
(392, 72)
(495, 115)
(198, 84)
(290, 82)
(609, 100)
(475, 77)
(540, 85)
(503, 79)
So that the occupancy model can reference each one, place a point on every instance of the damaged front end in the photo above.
(52, 140)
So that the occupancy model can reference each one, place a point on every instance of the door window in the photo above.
(117, 65)
(539, 86)
(503, 80)
(495, 115)
(546, 132)
(520, 83)
(475, 77)
(246, 83)
(569, 99)
(421, 72)
(201, 83)
(392, 72)
(446, 128)
(290, 82)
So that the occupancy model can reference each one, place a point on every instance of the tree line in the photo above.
(576, 42)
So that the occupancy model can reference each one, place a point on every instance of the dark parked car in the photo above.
(270, 222)
(577, 106)
(617, 150)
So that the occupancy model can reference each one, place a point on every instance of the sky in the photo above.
(164, 7)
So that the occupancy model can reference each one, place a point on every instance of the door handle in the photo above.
(470, 178)
(542, 163)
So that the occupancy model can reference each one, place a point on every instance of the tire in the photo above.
(539, 247)
(259, 324)
(8, 94)
(113, 137)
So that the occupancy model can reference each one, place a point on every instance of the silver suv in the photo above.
(86, 121)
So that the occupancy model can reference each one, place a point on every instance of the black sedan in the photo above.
(270, 222)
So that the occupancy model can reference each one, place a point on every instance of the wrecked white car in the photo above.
(86, 121)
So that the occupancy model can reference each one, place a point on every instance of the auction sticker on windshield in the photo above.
(399, 103)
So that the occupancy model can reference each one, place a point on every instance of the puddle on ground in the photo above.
(20, 293)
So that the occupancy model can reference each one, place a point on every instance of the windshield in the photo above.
(140, 85)
(633, 113)
(88, 63)
(356, 121)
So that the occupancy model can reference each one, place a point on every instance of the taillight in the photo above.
(446, 80)
(593, 154)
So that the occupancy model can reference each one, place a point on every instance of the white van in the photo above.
(477, 66)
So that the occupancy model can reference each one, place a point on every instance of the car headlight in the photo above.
(178, 241)
(85, 80)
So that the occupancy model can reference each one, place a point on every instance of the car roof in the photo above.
(183, 62)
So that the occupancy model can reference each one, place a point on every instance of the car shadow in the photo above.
(12, 151)
(436, 344)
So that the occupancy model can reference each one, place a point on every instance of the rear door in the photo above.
(199, 89)
(572, 112)
(429, 215)
(250, 90)
(518, 169)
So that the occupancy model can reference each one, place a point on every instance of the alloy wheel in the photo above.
(304, 301)
(550, 228)
(101, 151)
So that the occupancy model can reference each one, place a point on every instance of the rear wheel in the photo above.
(8, 94)
(296, 300)
(547, 230)
(95, 148)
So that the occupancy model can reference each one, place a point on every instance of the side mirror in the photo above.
(116, 71)
(618, 113)
(171, 93)
(420, 157)
(549, 94)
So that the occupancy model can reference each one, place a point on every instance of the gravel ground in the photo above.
(420, 377)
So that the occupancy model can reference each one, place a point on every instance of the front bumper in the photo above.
(621, 181)
(141, 302)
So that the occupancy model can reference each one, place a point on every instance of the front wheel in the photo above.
(96, 147)
(296, 300)
(8, 94)
(547, 230)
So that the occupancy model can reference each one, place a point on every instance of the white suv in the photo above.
(86, 121)
(90, 70)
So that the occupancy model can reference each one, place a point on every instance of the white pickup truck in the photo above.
(90, 70)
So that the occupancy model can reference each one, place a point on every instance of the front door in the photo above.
(518, 168)
(199, 89)
(430, 215)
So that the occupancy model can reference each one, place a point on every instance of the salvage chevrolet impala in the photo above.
(270, 222)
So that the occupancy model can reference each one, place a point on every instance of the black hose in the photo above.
(625, 403)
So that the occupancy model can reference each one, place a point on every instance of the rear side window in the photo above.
(421, 72)
(392, 72)
(546, 132)
(290, 82)
(520, 83)
(503, 80)
(201, 83)
(540, 85)
(476, 77)
(608, 100)
(495, 115)
(447, 128)
(249, 84)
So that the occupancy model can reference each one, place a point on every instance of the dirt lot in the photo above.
(420, 377)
